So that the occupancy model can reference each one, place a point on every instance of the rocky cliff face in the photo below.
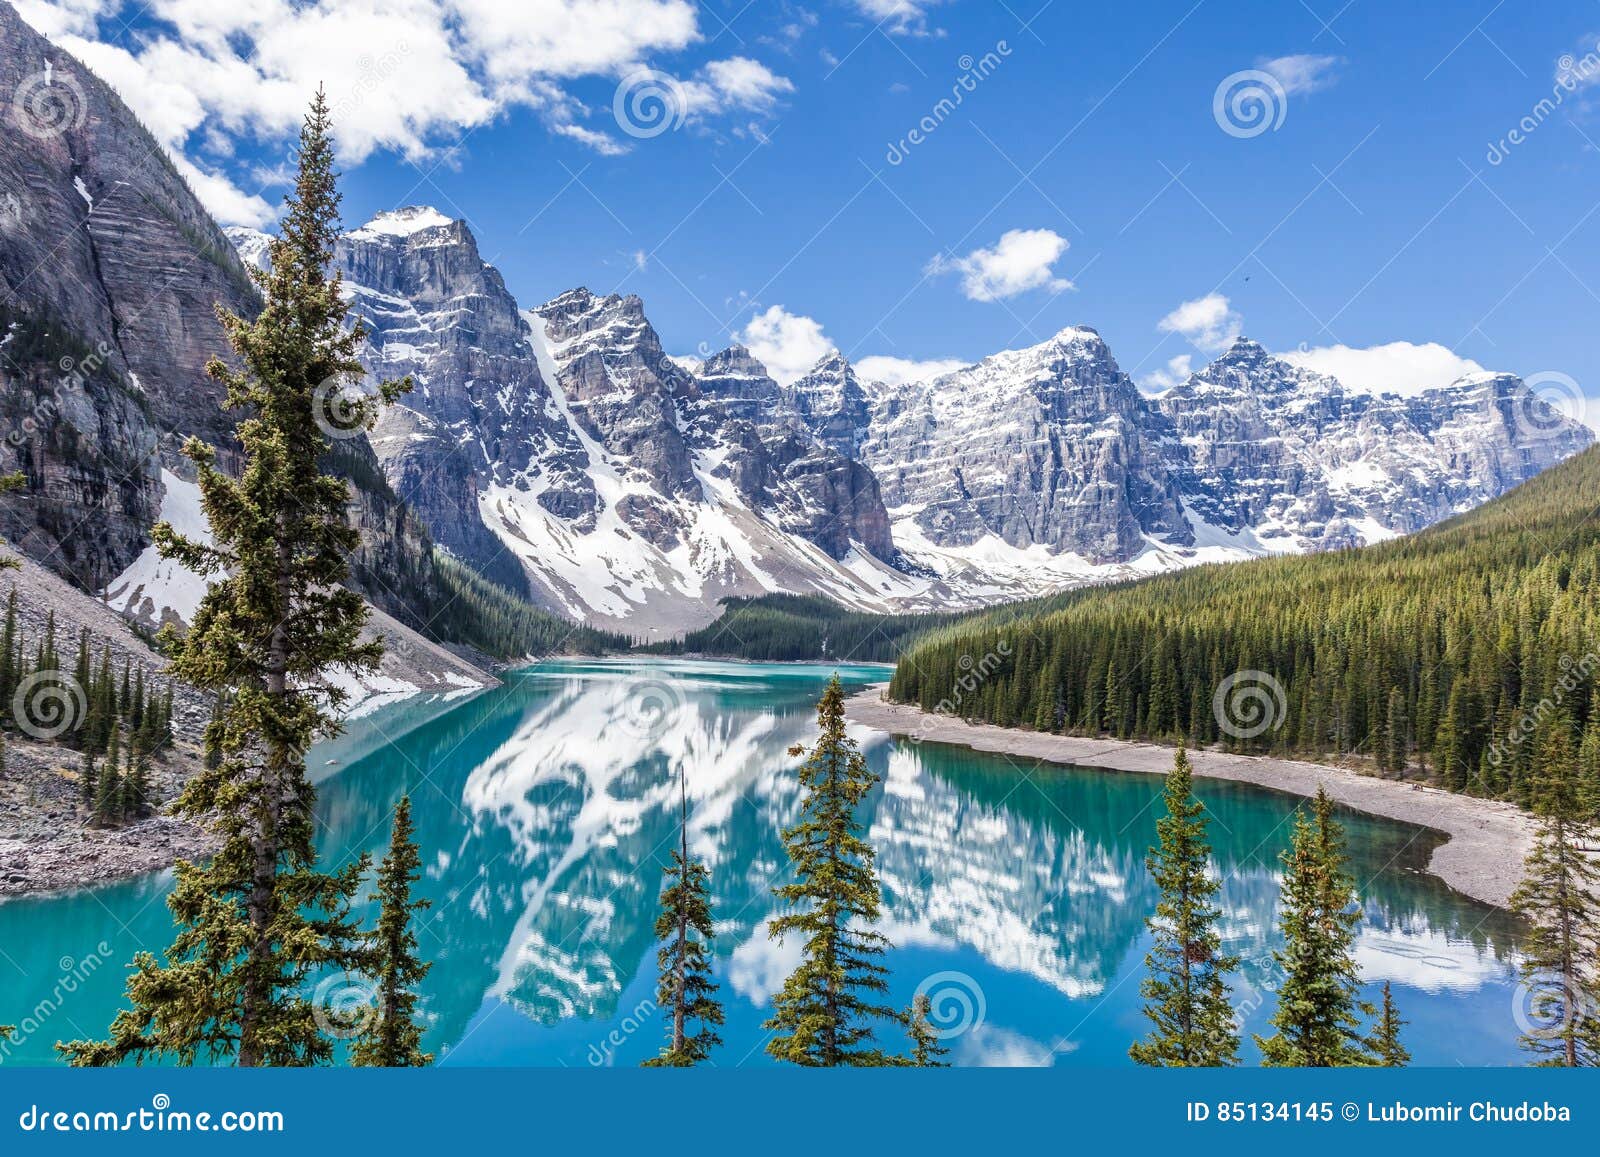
(1295, 460)
(1051, 446)
(110, 274)
(109, 269)
(561, 448)
(561, 452)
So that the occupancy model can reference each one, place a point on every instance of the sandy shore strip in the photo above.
(1482, 858)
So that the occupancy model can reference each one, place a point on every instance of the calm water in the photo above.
(1015, 892)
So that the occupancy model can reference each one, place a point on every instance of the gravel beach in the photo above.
(1482, 858)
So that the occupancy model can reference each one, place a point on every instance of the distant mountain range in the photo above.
(560, 450)
(562, 453)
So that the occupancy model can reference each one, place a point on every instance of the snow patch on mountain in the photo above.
(156, 590)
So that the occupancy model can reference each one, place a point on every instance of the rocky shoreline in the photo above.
(1482, 857)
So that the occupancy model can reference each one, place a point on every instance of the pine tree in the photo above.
(9, 482)
(259, 919)
(685, 929)
(1559, 898)
(927, 1051)
(1318, 1003)
(1384, 1043)
(393, 1039)
(1187, 986)
(824, 1014)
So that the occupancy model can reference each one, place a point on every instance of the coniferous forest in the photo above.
(1439, 655)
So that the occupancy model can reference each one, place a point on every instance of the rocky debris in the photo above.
(45, 842)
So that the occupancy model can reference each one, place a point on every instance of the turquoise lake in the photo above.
(1014, 892)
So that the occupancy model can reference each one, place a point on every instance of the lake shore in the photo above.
(1482, 858)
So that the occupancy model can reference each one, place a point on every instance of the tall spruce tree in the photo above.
(1187, 986)
(392, 1039)
(685, 929)
(927, 1050)
(1384, 1044)
(1559, 898)
(1317, 1018)
(824, 1014)
(259, 918)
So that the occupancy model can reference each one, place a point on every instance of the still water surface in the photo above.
(1015, 891)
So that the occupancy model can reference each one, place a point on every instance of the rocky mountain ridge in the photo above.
(633, 489)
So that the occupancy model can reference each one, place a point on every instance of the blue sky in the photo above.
(1088, 175)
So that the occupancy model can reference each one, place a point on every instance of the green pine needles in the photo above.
(928, 1050)
(260, 919)
(1317, 1019)
(1559, 898)
(10, 482)
(685, 928)
(825, 1013)
(392, 1038)
(1193, 1023)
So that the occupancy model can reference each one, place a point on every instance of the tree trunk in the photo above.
(257, 994)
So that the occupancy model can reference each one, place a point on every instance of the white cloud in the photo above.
(904, 17)
(1021, 260)
(411, 76)
(1398, 367)
(1176, 371)
(1208, 322)
(898, 371)
(1301, 73)
(740, 82)
(787, 343)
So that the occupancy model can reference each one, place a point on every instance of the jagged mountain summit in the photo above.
(563, 454)
(561, 451)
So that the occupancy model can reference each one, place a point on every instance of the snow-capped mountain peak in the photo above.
(564, 453)
(404, 222)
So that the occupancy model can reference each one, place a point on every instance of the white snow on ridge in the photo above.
(402, 222)
(155, 589)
